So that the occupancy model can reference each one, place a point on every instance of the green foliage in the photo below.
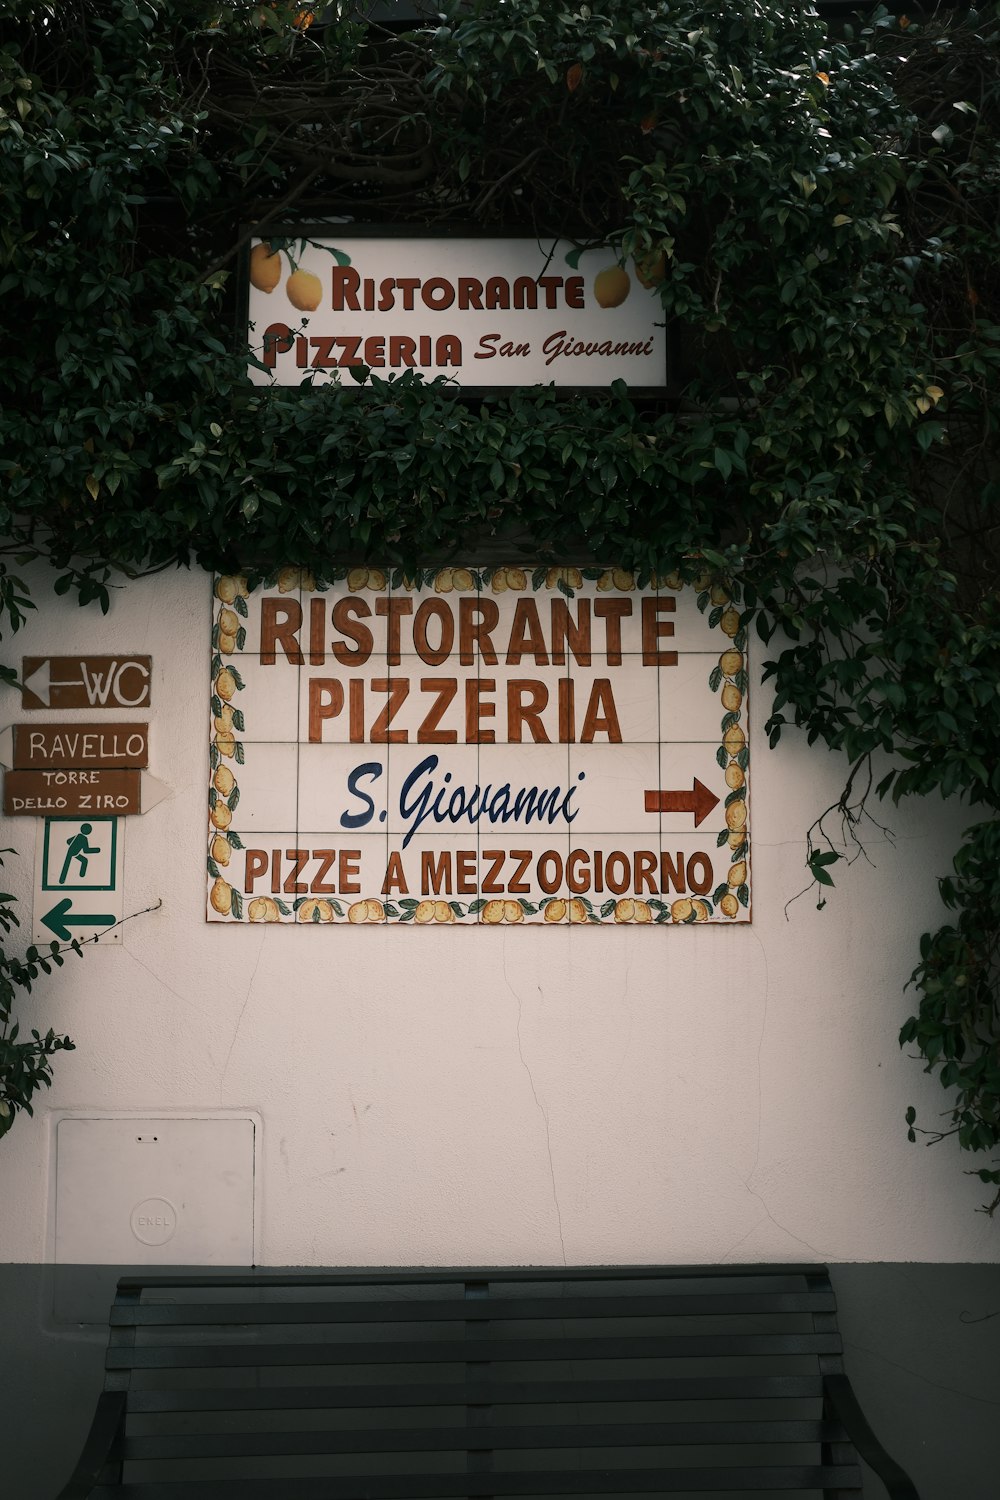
(824, 206)
(24, 1065)
(956, 1027)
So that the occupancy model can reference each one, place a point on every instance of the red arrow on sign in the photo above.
(698, 800)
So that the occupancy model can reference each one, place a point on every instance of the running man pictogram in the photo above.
(78, 848)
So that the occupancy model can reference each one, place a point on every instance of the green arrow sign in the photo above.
(61, 917)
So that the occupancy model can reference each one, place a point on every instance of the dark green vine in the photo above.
(825, 206)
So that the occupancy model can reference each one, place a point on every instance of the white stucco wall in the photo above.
(442, 1095)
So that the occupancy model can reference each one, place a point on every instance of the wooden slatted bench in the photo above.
(430, 1385)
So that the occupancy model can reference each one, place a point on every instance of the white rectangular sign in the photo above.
(79, 864)
(481, 312)
(492, 746)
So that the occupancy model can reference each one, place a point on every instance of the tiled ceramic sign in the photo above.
(483, 312)
(489, 746)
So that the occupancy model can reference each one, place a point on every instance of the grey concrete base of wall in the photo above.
(922, 1347)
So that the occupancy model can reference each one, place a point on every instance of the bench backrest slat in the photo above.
(194, 1314)
(447, 1351)
(309, 1398)
(800, 1477)
(529, 1437)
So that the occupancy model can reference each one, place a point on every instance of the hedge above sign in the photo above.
(482, 746)
(484, 313)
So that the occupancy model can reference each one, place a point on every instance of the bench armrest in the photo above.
(844, 1403)
(104, 1430)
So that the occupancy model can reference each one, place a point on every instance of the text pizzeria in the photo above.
(397, 351)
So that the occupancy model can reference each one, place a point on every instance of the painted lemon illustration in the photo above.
(556, 911)
(611, 286)
(225, 684)
(512, 911)
(265, 267)
(633, 910)
(316, 911)
(732, 698)
(734, 740)
(369, 910)
(305, 291)
(493, 912)
(730, 621)
(731, 662)
(571, 577)
(459, 579)
(229, 585)
(729, 905)
(577, 910)
(221, 850)
(736, 815)
(365, 578)
(424, 912)
(514, 579)
(228, 626)
(616, 578)
(221, 816)
(738, 873)
(221, 897)
(735, 775)
(223, 781)
(263, 909)
(682, 909)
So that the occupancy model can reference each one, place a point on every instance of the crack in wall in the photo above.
(538, 1103)
(934, 1384)
(243, 1011)
(746, 1181)
(158, 979)
(819, 1254)
(760, 1050)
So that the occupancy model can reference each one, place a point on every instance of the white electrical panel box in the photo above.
(164, 1192)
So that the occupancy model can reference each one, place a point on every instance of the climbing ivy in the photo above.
(818, 209)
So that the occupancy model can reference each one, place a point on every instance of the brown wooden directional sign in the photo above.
(63, 794)
(95, 682)
(84, 746)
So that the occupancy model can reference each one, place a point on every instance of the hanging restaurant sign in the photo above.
(484, 313)
(485, 746)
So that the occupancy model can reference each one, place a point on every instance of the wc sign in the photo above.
(86, 682)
